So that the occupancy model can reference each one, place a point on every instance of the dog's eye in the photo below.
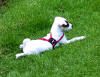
(66, 25)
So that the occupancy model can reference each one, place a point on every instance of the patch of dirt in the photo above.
(2, 2)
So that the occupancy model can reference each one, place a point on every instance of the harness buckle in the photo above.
(52, 41)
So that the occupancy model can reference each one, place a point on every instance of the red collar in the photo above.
(52, 40)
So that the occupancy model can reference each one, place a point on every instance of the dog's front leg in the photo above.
(75, 39)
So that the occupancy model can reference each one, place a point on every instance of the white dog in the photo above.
(53, 39)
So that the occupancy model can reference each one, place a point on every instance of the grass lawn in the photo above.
(20, 19)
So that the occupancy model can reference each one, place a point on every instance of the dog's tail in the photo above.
(25, 41)
(76, 38)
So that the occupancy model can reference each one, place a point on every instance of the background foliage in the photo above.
(20, 19)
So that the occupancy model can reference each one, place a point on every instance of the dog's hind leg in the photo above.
(19, 55)
(75, 39)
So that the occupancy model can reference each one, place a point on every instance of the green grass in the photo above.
(20, 19)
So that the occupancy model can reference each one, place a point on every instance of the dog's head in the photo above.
(63, 23)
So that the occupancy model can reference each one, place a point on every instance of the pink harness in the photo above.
(52, 40)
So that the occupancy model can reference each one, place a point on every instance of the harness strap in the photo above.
(50, 35)
(52, 40)
(60, 38)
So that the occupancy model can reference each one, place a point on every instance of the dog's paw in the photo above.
(82, 37)
(17, 56)
(79, 38)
